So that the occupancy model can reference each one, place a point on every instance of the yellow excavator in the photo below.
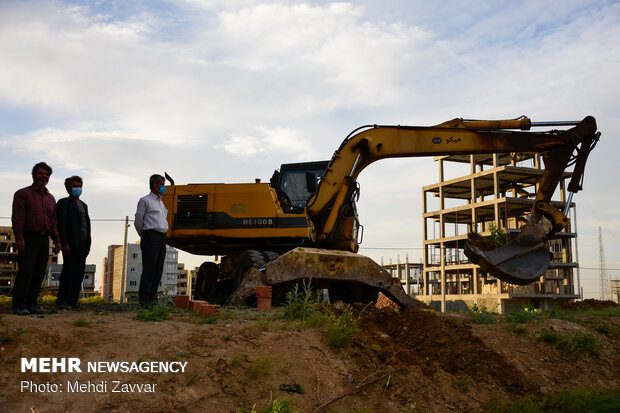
(303, 224)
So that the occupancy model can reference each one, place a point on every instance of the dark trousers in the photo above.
(72, 275)
(153, 247)
(31, 267)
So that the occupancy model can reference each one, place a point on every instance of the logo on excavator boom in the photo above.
(436, 140)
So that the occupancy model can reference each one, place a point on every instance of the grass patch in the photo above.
(242, 358)
(604, 312)
(154, 313)
(82, 322)
(227, 314)
(560, 314)
(341, 330)
(577, 343)
(283, 405)
(522, 316)
(264, 324)
(482, 315)
(47, 299)
(608, 330)
(463, 383)
(549, 336)
(517, 329)
(95, 299)
(10, 335)
(201, 319)
(317, 320)
(300, 303)
(260, 367)
(582, 400)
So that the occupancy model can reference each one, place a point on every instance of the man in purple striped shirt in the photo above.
(34, 222)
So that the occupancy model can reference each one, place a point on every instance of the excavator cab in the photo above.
(296, 182)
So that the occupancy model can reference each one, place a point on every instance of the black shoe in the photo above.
(20, 311)
(35, 309)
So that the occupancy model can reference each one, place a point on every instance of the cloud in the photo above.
(224, 91)
(269, 141)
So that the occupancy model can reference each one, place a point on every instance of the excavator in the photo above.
(303, 224)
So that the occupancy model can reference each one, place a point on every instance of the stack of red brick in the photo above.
(263, 298)
(198, 306)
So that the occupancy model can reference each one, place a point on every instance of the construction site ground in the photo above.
(399, 361)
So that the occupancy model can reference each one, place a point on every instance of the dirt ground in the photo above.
(410, 361)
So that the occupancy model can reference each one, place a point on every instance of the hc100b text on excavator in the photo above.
(304, 224)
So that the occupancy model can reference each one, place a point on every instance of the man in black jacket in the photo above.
(74, 232)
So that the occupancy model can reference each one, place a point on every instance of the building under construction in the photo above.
(8, 260)
(491, 195)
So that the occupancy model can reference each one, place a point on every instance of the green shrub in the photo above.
(5, 299)
(47, 299)
(524, 315)
(560, 313)
(95, 299)
(576, 343)
(154, 313)
(498, 235)
(481, 315)
(227, 314)
(300, 303)
(608, 330)
(517, 329)
(317, 320)
(549, 336)
(260, 367)
(341, 330)
(581, 342)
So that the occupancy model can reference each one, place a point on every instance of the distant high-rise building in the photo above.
(113, 274)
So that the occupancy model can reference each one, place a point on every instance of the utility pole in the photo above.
(603, 276)
(122, 297)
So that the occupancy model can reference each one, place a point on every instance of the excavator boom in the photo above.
(521, 261)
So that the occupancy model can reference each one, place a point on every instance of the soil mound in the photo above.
(434, 343)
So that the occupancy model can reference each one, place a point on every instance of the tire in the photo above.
(270, 256)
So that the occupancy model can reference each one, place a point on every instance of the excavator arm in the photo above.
(522, 260)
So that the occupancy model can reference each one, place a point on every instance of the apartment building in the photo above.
(492, 195)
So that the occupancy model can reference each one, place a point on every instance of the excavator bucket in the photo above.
(520, 262)
(347, 275)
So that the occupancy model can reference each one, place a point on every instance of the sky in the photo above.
(226, 91)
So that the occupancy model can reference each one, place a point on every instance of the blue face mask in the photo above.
(162, 189)
(76, 192)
